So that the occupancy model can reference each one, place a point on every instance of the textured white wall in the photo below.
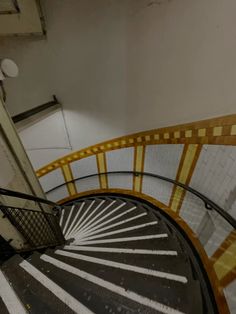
(16, 174)
(27, 22)
(123, 66)
(181, 57)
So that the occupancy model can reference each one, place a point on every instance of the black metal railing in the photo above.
(25, 196)
(209, 204)
(39, 226)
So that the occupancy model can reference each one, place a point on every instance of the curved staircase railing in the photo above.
(37, 221)
(25, 196)
(210, 228)
(209, 204)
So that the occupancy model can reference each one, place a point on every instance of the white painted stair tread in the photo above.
(111, 287)
(119, 259)
(119, 226)
(9, 297)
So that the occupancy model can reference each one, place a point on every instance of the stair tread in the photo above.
(71, 214)
(119, 280)
(168, 292)
(93, 211)
(121, 222)
(92, 219)
(31, 292)
(167, 263)
(3, 307)
(151, 229)
(98, 299)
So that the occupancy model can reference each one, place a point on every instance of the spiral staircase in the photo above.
(120, 256)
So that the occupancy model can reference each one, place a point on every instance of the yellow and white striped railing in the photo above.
(194, 137)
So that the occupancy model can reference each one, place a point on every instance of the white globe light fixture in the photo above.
(8, 68)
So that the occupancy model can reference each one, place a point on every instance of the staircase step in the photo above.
(98, 205)
(165, 291)
(8, 294)
(95, 211)
(125, 217)
(104, 215)
(127, 238)
(81, 217)
(121, 257)
(82, 208)
(168, 263)
(64, 215)
(3, 307)
(97, 298)
(165, 228)
(36, 297)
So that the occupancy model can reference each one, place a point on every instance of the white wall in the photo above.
(17, 174)
(27, 21)
(121, 66)
(181, 60)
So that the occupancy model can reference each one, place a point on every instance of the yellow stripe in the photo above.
(66, 170)
(227, 262)
(102, 167)
(138, 166)
(177, 197)
(216, 131)
(187, 164)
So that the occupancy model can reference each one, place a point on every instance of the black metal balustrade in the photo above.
(38, 227)
(209, 204)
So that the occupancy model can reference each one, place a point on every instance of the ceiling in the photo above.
(20, 17)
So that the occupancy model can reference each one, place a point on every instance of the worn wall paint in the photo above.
(16, 174)
(124, 66)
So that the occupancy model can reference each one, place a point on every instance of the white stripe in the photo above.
(109, 220)
(9, 297)
(60, 293)
(90, 225)
(87, 238)
(136, 269)
(81, 218)
(112, 287)
(115, 224)
(74, 221)
(107, 215)
(83, 223)
(68, 219)
(62, 216)
(157, 236)
(118, 250)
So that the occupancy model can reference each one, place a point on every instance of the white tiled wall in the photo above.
(123, 160)
(163, 159)
(209, 226)
(192, 211)
(52, 179)
(87, 184)
(158, 189)
(58, 194)
(222, 230)
(231, 297)
(215, 175)
(84, 167)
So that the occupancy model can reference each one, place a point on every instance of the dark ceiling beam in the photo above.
(29, 113)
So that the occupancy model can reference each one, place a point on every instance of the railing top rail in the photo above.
(26, 197)
(26, 209)
(209, 204)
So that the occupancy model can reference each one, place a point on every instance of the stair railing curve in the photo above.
(39, 227)
(209, 204)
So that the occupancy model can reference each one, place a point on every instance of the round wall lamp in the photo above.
(8, 69)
